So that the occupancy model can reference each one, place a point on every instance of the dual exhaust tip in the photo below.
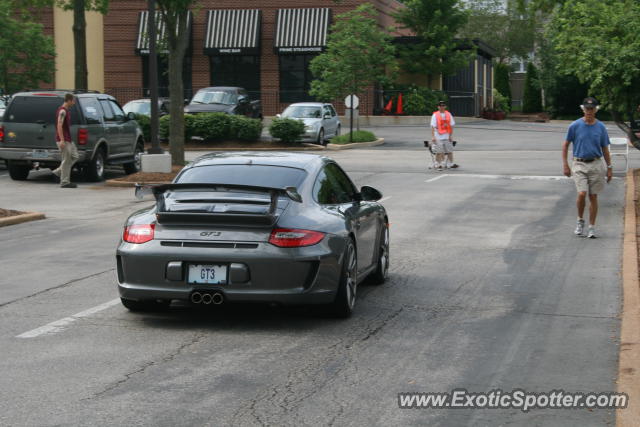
(207, 298)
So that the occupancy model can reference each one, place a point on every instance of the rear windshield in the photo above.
(258, 175)
(31, 109)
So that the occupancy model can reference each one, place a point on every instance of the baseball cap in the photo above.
(441, 103)
(589, 102)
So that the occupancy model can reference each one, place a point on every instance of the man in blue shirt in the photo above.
(590, 144)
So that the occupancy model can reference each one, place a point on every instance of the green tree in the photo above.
(175, 15)
(26, 54)
(358, 55)
(597, 41)
(503, 26)
(501, 73)
(436, 24)
(531, 99)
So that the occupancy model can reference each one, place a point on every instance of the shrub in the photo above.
(247, 129)
(531, 99)
(211, 126)
(188, 127)
(358, 136)
(145, 125)
(415, 104)
(501, 73)
(500, 102)
(286, 130)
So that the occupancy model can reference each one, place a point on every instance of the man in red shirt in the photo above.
(68, 150)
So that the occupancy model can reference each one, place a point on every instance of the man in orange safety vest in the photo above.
(442, 124)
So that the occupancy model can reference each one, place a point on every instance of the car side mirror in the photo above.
(243, 99)
(186, 102)
(326, 116)
(370, 194)
(131, 115)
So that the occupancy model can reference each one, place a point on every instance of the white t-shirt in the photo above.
(434, 124)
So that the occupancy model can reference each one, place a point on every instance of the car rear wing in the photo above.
(249, 210)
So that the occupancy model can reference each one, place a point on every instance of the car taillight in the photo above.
(83, 136)
(139, 233)
(294, 238)
(1, 133)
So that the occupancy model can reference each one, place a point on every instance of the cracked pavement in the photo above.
(488, 289)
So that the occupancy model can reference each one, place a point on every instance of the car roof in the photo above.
(160, 99)
(308, 104)
(222, 88)
(60, 93)
(271, 158)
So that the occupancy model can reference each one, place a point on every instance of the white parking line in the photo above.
(59, 325)
(436, 178)
(512, 177)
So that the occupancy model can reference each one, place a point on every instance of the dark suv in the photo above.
(103, 133)
(224, 99)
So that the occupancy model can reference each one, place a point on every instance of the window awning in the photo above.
(142, 42)
(301, 30)
(233, 32)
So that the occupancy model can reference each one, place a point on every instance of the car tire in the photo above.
(345, 300)
(320, 139)
(18, 172)
(94, 170)
(380, 274)
(145, 306)
(338, 131)
(136, 165)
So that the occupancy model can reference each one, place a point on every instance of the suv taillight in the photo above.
(1, 133)
(294, 238)
(139, 233)
(83, 136)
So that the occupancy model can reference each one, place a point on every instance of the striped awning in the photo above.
(142, 42)
(302, 30)
(233, 32)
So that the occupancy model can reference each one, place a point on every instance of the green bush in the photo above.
(415, 104)
(287, 130)
(531, 99)
(145, 125)
(500, 102)
(418, 100)
(247, 129)
(501, 73)
(163, 130)
(358, 136)
(211, 126)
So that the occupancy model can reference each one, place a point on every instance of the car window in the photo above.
(117, 111)
(326, 110)
(333, 111)
(108, 112)
(215, 97)
(33, 109)
(91, 109)
(258, 175)
(332, 186)
(138, 107)
(302, 112)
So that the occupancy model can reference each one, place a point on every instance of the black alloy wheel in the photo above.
(345, 300)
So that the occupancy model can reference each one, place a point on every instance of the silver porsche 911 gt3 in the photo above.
(248, 227)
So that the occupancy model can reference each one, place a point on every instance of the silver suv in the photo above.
(103, 133)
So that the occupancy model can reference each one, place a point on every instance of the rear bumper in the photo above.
(36, 155)
(308, 275)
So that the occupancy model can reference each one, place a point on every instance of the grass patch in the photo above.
(358, 136)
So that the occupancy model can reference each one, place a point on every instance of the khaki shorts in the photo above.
(589, 177)
(442, 146)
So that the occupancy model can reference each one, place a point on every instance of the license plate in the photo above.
(40, 154)
(208, 274)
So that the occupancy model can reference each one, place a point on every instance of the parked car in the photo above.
(224, 99)
(3, 106)
(103, 133)
(143, 106)
(285, 228)
(321, 121)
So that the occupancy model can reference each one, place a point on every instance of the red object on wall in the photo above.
(399, 106)
(389, 107)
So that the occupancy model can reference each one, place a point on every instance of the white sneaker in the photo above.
(579, 227)
(592, 232)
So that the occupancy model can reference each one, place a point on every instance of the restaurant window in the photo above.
(237, 70)
(295, 78)
(163, 76)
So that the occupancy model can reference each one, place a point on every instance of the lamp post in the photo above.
(153, 79)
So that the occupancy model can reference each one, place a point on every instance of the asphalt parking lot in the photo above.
(489, 289)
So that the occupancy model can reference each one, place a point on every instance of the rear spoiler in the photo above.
(165, 217)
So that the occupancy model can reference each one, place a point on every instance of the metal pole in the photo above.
(153, 79)
(351, 120)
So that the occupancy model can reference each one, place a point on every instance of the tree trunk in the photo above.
(177, 48)
(80, 44)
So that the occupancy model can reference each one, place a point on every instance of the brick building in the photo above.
(262, 45)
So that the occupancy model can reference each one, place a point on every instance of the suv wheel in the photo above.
(95, 169)
(136, 165)
(18, 172)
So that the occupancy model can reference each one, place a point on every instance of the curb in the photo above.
(379, 141)
(18, 219)
(629, 359)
